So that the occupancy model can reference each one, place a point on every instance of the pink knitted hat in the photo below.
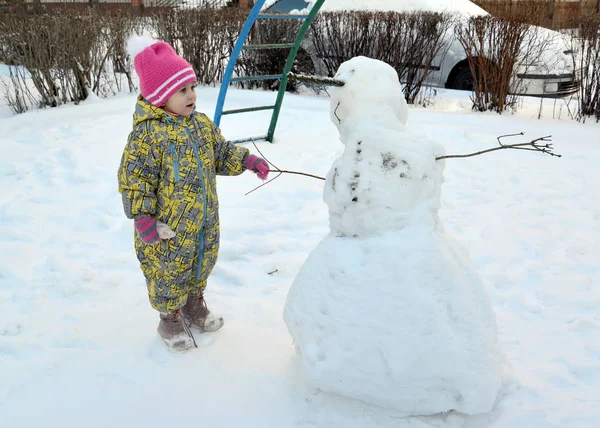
(161, 71)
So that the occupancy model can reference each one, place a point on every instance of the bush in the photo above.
(60, 56)
(585, 42)
(409, 42)
(69, 53)
(66, 54)
(272, 61)
(494, 47)
(204, 37)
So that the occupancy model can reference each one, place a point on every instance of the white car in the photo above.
(549, 75)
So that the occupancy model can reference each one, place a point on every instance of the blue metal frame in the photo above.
(239, 44)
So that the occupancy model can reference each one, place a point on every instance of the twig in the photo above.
(278, 170)
(508, 135)
(284, 171)
(533, 145)
(314, 80)
(335, 112)
(264, 184)
(263, 156)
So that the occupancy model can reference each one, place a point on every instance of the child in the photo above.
(167, 179)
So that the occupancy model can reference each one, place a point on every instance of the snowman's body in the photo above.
(387, 309)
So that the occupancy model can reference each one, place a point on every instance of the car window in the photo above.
(286, 6)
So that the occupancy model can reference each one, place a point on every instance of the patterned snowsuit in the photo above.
(168, 171)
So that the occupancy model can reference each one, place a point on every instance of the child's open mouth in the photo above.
(190, 105)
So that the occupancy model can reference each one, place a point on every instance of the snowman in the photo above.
(388, 309)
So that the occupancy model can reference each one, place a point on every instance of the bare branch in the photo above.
(283, 171)
(314, 80)
(264, 184)
(264, 157)
(533, 145)
(508, 135)
(279, 171)
(335, 113)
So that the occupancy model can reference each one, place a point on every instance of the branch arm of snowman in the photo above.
(314, 80)
(541, 145)
(279, 171)
(533, 145)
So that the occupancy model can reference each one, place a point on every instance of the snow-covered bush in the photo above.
(407, 41)
(272, 61)
(495, 47)
(67, 54)
(61, 56)
(204, 37)
(585, 42)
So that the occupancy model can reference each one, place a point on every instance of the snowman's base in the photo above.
(400, 321)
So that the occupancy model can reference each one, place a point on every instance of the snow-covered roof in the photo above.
(462, 6)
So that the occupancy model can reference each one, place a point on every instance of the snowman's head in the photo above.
(371, 89)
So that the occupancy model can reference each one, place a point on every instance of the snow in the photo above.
(460, 6)
(78, 345)
(268, 4)
(464, 7)
(386, 257)
(137, 44)
(399, 321)
(382, 157)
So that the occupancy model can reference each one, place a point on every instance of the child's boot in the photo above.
(197, 314)
(173, 330)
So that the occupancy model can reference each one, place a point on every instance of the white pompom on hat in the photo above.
(161, 71)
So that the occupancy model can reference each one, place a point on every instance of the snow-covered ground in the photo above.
(78, 345)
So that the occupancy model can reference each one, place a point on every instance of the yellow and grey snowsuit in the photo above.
(168, 171)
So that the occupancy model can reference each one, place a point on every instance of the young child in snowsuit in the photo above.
(167, 179)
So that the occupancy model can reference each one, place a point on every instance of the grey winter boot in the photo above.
(174, 331)
(197, 314)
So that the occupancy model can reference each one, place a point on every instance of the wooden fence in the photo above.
(547, 13)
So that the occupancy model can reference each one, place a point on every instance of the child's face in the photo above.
(183, 102)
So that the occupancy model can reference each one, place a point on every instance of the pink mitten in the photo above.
(146, 227)
(257, 165)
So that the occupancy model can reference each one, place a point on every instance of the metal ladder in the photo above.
(283, 77)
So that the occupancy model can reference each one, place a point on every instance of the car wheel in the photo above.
(463, 80)
(303, 63)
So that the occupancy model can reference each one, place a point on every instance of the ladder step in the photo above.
(268, 46)
(249, 140)
(247, 78)
(247, 110)
(280, 16)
